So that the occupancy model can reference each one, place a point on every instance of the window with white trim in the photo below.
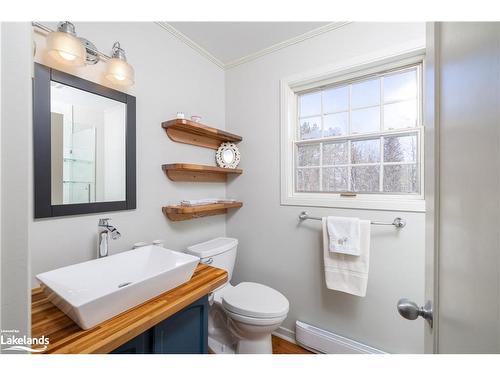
(360, 136)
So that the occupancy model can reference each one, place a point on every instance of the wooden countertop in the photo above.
(66, 337)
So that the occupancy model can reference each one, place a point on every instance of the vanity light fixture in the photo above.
(119, 71)
(92, 54)
(64, 46)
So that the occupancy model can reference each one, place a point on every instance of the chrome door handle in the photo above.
(410, 310)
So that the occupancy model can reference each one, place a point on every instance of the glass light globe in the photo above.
(120, 72)
(66, 48)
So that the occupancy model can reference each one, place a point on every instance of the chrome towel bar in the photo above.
(398, 222)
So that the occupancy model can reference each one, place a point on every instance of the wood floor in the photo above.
(281, 346)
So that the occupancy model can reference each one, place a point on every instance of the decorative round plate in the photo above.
(227, 155)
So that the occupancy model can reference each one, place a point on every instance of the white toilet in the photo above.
(241, 317)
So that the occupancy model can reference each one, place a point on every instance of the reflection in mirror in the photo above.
(228, 156)
(87, 147)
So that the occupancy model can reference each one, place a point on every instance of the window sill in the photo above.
(382, 203)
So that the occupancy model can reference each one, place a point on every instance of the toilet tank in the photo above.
(219, 252)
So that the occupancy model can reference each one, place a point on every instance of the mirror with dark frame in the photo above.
(84, 146)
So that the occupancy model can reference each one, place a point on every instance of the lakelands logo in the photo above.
(11, 340)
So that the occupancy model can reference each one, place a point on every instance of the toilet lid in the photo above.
(255, 300)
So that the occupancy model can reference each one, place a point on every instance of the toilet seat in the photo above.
(254, 303)
(255, 321)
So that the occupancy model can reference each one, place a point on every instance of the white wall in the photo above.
(170, 77)
(273, 248)
(0, 180)
(57, 157)
(16, 179)
(114, 154)
(469, 320)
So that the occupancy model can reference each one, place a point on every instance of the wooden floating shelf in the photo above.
(196, 172)
(194, 133)
(180, 213)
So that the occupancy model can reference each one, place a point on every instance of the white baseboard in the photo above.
(289, 335)
(322, 341)
(285, 334)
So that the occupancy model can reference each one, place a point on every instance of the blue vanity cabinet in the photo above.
(185, 332)
(138, 345)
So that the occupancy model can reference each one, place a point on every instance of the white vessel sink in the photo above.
(94, 291)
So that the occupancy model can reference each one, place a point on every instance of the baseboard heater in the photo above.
(321, 341)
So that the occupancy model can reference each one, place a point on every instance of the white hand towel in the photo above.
(347, 273)
(344, 234)
(198, 202)
(205, 201)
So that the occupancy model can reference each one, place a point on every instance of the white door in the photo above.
(431, 103)
(469, 185)
(407, 307)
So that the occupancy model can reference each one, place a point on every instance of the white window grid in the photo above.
(349, 138)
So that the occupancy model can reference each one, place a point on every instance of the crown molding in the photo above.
(242, 60)
(191, 43)
(286, 43)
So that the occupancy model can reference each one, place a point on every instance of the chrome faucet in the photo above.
(104, 231)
